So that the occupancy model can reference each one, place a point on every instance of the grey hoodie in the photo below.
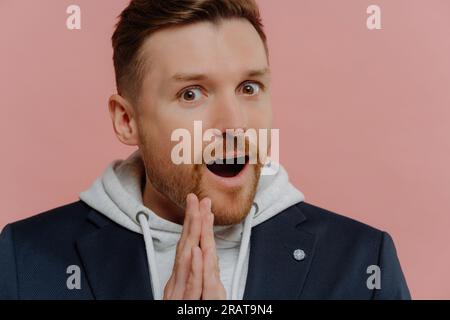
(117, 194)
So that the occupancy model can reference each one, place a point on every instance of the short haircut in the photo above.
(143, 17)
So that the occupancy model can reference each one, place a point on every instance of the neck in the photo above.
(161, 205)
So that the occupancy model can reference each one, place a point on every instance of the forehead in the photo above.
(226, 47)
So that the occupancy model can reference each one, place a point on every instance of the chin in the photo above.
(231, 202)
(230, 209)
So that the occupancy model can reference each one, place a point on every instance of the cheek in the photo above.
(158, 124)
(154, 136)
(261, 118)
(267, 113)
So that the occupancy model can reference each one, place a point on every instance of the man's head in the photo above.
(180, 61)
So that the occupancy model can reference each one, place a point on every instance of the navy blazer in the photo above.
(35, 254)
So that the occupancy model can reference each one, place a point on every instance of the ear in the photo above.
(124, 120)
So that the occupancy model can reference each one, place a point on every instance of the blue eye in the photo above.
(191, 94)
(250, 88)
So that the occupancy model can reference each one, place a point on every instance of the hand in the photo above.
(196, 274)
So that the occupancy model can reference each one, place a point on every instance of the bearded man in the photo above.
(227, 228)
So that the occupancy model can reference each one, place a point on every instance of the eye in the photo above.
(250, 88)
(192, 94)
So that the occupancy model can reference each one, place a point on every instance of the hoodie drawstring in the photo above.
(245, 242)
(151, 257)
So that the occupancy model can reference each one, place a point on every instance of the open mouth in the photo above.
(222, 169)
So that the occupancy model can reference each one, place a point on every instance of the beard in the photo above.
(174, 182)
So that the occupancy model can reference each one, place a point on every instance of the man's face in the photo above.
(217, 74)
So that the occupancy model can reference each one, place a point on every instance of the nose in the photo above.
(229, 114)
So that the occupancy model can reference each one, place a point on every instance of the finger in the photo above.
(192, 231)
(195, 225)
(168, 289)
(191, 208)
(212, 285)
(194, 285)
(207, 241)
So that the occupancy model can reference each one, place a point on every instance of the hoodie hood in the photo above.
(117, 194)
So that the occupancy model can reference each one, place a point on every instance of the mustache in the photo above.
(230, 147)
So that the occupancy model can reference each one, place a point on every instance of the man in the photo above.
(154, 227)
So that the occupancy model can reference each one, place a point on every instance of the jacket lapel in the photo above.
(273, 273)
(114, 261)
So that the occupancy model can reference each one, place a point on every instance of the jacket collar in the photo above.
(114, 260)
(273, 272)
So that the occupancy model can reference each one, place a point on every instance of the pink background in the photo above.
(364, 115)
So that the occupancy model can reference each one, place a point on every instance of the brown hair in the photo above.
(143, 17)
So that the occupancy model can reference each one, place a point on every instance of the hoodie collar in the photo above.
(117, 194)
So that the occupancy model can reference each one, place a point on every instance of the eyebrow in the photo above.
(184, 77)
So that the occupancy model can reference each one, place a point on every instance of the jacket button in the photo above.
(299, 254)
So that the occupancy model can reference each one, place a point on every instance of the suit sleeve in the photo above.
(393, 282)
(8, 273)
